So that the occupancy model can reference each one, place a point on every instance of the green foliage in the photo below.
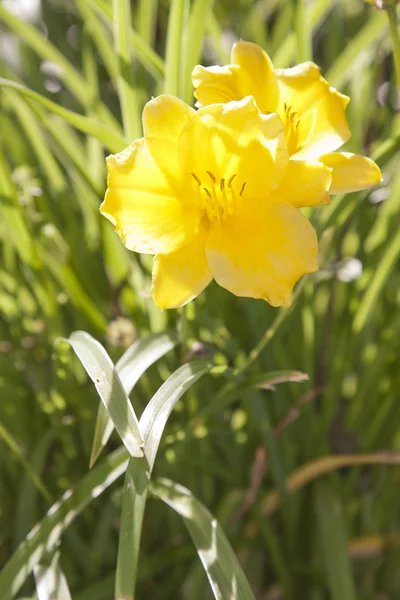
(299, 479)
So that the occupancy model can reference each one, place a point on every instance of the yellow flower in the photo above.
(213, 194)
(313, 113)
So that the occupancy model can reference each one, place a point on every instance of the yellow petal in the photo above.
(250, 74)
(306, 91)
(351, 172)
(305, 184)
(234, 141)
(180, 276)
(149, 210)
(256, 76)
(216, 84)
(263, 251)
(164, 118)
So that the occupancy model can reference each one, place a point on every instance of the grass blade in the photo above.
(105, 134)
(101, 370)
(14, 217)
(143, 51)
(138, 474)
(223, 570)
(326, 464)
(194, 38)
(390, 254)
(44, 536)
(47, 51)
(130, 367)
(122, 20)
(364, 42)
(334, 543)
(173, 52)
(51, 582)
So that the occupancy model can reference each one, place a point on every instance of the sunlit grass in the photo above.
(290, 437)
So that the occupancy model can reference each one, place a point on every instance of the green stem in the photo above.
(394, 32)
(126, 89)
(173, 54)
(303, 33)
(269, 334)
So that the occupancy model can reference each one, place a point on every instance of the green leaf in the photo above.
(51, 582)
(138, 474)
(173, 52)
(240, 386)
(104, 133)
(194, 37)
(101, 370)
(45, 49)
(130, 367)
(122, 21)
(35, 137)
(144, 52)
(333, 540)
(14, 217)
(46, 534)
(385, 265)
(365, 41)
(287, 50)
(223, 570)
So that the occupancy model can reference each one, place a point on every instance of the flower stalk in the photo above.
(391, 11)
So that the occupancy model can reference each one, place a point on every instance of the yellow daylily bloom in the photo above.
(213, 194)
(313, 112)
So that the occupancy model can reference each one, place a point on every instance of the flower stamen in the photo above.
(196, 178)
(242, 190)
(230, 180)
(208, 193)
(211, 176)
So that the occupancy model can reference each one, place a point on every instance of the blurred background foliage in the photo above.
(63, 268)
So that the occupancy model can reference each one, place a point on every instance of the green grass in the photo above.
(292, 444)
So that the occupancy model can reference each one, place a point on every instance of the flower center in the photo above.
(291, 129)
(219, 198)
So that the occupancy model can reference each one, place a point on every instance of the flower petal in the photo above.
(256, 76)
(216, 84)
(351, 172)
(262, 252)
(149, 209)
(234, 139)
(180, 276)
(305, 90)
(305, 184)
(251, 74)
(164, 117)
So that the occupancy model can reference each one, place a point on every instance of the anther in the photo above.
(292, 116)
(207, 192)
(211, 176)
(222, 185)
(285, 106)
(242, 190)
(230, 180)
(196, 178)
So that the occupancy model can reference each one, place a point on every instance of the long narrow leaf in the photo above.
(223, 570)
(105, 134)
(101, 370)
(333, 541)
(173, 52)
(144, 53)
(134, 362)
(51, 583)
(46, 534)
(122, 20)
(138, 474)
